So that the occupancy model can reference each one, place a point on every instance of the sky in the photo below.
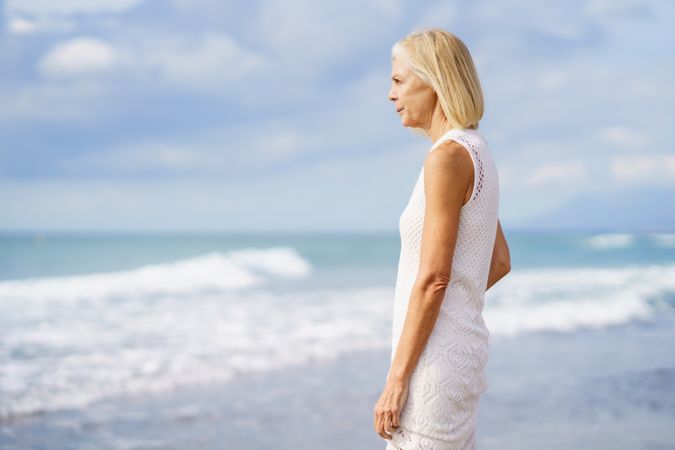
(273, 115)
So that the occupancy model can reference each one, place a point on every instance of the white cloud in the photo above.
(202, 156)
(558, 20)
(67, 7)
(79, 56)
(206, 61)
(31, 16)
(261, 146)
(22, 26)
(282, 144)
(552, 80)
(558, 173)
(443, 14)
(63, 101)
(618, 8)
(289, 199)
(307, 37)
(140, 157)
(547, 97)
(648, 169)
(623, 137)
(214, 152)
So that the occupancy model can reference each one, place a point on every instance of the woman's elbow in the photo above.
(433, 284)
(505, 266)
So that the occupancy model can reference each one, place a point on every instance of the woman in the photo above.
(452, 251)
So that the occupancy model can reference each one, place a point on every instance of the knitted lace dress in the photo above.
(445, 387)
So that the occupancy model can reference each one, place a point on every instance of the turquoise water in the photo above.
(24, 255)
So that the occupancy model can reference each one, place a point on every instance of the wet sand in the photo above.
(606, 389)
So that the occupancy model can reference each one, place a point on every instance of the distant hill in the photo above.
(643, 209)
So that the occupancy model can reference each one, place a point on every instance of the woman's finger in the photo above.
(387, 424)
(379, 425)
(382, 427)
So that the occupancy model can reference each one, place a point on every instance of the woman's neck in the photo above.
(439, 124)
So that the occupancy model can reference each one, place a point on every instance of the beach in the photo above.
(299, 361)
(545, 391)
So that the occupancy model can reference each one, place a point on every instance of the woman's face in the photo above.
(413, 99)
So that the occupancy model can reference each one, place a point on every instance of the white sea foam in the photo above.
(610, 240)
(569, 299)
(282, 261)
(64, 347)
(74, 354)
(213, 271)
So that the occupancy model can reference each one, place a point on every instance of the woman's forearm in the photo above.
(425, 303)
(497, 271)
(500, 263)
(423, 308)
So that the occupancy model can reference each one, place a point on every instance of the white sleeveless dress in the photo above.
(445, 387)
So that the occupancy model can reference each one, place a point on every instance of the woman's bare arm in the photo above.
(447, 176)
(500, 264)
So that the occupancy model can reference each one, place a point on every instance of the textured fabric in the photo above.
(445, 387)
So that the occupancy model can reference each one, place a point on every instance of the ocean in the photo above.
(225, 328)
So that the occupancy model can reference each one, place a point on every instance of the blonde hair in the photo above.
(441, 60)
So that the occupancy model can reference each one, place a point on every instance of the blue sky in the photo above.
(272, 115)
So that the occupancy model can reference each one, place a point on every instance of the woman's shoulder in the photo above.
(450, 152)
(449, 161)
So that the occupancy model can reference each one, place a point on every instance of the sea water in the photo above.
(85, 317)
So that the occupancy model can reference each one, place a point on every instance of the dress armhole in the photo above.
(477, 167)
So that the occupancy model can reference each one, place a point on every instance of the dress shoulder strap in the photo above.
(450, 134)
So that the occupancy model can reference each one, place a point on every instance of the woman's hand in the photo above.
(389, 407)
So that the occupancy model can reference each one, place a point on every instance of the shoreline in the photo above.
(612, 388)
(292, 402)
